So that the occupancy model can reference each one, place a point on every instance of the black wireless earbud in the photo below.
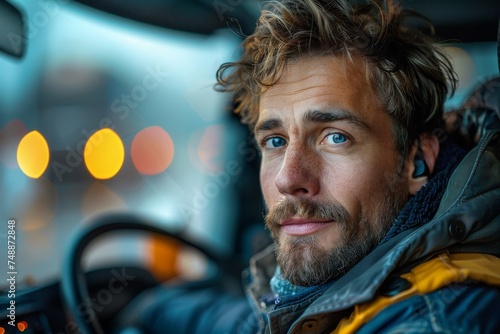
(421, 168)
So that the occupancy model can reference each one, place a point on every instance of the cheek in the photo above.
(357, 186)
(267, 183)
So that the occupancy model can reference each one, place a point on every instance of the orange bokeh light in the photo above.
(2, 330)
(205, 149)
(22, 326)
(152, 150)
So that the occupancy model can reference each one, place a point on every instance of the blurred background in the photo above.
(111, 108)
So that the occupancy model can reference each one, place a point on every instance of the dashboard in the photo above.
(40, 310)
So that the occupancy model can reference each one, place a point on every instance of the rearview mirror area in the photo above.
(11, 30)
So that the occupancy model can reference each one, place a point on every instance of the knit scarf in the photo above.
(419, 209)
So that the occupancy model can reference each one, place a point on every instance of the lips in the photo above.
(303, 226)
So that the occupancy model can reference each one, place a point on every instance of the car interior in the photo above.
(122, 168)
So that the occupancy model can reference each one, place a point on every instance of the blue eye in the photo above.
(274, 142)
(336, 138)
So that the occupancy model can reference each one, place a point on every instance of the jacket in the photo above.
(441, 277)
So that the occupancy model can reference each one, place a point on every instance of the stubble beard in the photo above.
(304, 262)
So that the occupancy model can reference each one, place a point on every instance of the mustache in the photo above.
(306, 209)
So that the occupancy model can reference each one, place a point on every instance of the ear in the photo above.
(426, 149)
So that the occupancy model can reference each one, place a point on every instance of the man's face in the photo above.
(327, 154)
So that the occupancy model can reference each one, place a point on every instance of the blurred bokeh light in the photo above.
(22, 326)
(104, 154)
(33, 154)
(152, 150)
(206, 148)
(464, 66)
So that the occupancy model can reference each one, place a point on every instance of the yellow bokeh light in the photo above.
(104, 154)
(33, 154)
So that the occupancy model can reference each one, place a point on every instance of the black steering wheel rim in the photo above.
(73, 285)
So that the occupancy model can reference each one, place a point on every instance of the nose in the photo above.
(299, 173)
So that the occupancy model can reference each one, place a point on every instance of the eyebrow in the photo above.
(316, 116)
(334, 115)
(269, 124)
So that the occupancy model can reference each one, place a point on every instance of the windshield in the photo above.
(85, 71)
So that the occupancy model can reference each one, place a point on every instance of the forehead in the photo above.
(322, 82)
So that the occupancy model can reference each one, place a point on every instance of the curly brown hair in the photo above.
(410, 73)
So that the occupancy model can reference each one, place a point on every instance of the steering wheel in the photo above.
(73, 284)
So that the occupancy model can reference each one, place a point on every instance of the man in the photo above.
(380, 223)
